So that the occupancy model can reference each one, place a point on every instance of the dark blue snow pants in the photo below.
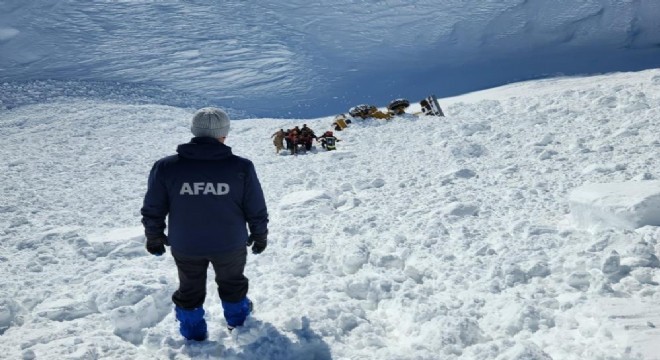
(228, 268)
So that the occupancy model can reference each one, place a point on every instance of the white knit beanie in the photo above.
(210, 122)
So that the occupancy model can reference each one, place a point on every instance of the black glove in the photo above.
(258, 242)
(156, 244)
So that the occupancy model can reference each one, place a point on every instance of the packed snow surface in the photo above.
(418, 238)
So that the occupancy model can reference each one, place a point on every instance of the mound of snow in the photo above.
(303, 199)
(627, 205)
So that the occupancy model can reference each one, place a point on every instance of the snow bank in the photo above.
(626, 205)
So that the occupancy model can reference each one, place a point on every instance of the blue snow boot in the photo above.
(191, 323)
(236, 312)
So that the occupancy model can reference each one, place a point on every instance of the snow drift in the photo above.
(628, 205)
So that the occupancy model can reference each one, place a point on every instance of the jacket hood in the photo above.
(204, 148)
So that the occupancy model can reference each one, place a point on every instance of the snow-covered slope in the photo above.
(312, 58)
(434, 238)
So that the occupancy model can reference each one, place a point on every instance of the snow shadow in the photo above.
(262, 340)
(276, 345)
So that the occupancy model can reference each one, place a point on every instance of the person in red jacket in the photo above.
(208, 196)
(307, 137)
(294, 140)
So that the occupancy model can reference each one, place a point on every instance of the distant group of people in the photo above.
(301, 139)
(297, 139)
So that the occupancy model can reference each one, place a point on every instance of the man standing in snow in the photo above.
(209, 195)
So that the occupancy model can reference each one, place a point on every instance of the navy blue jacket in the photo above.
(209, 195)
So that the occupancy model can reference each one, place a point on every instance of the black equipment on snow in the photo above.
(397, 103)
(430, 106)
(361, 110)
